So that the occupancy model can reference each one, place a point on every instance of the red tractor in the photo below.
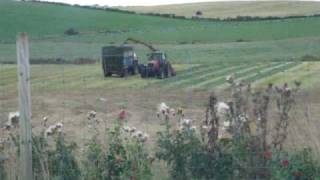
(158, 64)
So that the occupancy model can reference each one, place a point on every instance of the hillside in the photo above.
(46, 23)
(55, 19)
(43, 21)
(233, 9)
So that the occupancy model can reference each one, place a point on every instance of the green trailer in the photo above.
(119, 60)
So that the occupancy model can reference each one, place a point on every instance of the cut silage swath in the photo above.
(70, 72)
(266, 72)
(200, 75)
(205, 77)
(271, 71)
(191, 72)
(8, 71)
(211, 84)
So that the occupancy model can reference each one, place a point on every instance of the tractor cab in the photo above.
(158, 56)
(157, 60)
(158, 65)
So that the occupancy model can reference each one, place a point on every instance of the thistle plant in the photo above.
(260, 110)
(285, 98)
(125, 156)
(239, 108)
(212, 121)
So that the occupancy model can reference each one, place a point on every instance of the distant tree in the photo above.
(71, 31)
(199, 13)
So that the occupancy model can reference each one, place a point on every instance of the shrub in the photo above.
(199, 13)
(71, 31)
(62, 162)
(248, 154)
(187, 156)
(175, 149)
(95, 161)
(40, 157)
(140, 161)
(2, 159)
(116, 157)
(309, 58)
(125, 158)
(298, 165)
(2, 168)
(57, 162)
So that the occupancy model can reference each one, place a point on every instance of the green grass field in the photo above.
(30, 17)
(217, 46)
(186, 41)
(57, 78)
(203, 52)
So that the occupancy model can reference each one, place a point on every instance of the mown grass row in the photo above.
(41, 73)
(252, 76)
(73, 77)
(221, 78)
(94, 79)
(195, 80)
(210, 78)
(204, 76)
(221, 81)
(264, 74)
(54, 78)
(192, 72)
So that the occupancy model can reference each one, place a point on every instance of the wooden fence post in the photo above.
(24, 108)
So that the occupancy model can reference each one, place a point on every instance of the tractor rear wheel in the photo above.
(143, 72)
(107, 74)
(135, 70)
(124, 73)
(161, 74)
(168, 71)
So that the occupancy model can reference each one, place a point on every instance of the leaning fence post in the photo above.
(24, 107)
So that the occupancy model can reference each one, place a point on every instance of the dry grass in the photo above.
(71, 107)
(233, 9)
